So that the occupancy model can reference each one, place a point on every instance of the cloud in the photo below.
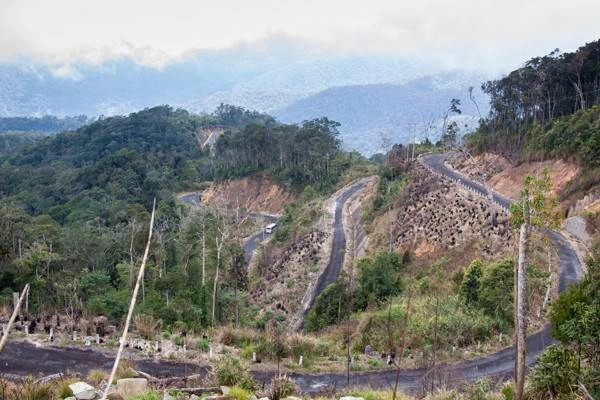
(67, 72)
(476, 33)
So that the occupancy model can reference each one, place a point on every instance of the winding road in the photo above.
(24, 358)
(250, 243)
(338, 246)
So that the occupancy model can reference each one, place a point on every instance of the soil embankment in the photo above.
(258, 193)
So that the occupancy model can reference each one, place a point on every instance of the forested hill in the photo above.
(76, 175)
(18, 131)
(47, 123)
(101, 169)
(114, 162)
(74, 207)
(547, 108)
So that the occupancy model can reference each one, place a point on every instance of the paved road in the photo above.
(570, 267)
(338, 247)
(23, 358)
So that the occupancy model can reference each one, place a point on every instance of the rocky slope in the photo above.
(435, 215)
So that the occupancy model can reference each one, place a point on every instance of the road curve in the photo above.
(23, 358)
(251, 242)
(570, 270)
(338, 246)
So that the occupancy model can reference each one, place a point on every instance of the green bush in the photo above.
(229, 371)
(469, 288)
(562, 310)
(379, 278)
(203, 344)
(239, 393)
(496, 292)
(554, 373)
(326, 310)
(148, 395)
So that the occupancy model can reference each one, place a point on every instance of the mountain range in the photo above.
(366, 93)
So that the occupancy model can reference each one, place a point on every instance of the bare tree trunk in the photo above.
(401, 355)
(216, 280)
(131, 307)
(352, 254)
(521, 328)
(203, 248)
(11, 321)
(435, 334)
(131, 254)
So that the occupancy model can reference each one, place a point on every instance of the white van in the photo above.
(270, 227)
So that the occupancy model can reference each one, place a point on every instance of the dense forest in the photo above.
(47, 123)
(296, 155)
(547, 108)
(75, 207)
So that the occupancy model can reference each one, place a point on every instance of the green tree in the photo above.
(469, 288)
(378, 279)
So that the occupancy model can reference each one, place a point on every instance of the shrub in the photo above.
(326, 310)
(147, 325)
(248, 350)
(148, 395)
(239, 393)
(555, 373)
(178, 340)
(496, 291)
(282, 387)
(469, 288)
(562, 310)
(378, 278)
(301, 346)
(95, 376)
(125, 369)
(229, 371)
(62, 389)
(29, 390)
(203, 344)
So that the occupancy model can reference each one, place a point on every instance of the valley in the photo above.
(292, 219)
(497, 365)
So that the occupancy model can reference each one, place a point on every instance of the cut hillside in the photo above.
(507, 179)
(258, 193)
(433, 215)
(509, 182)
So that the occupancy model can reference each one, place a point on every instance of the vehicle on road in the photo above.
(269, 228)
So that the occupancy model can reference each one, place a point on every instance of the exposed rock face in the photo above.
(434, 214)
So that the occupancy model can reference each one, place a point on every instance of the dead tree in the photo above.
(403, 347)
(136, 289)
(11, 321)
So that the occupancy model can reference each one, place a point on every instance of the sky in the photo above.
(479, 34)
